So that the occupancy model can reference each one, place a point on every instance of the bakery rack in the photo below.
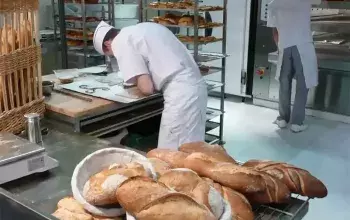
(76, 29)
(296, 209)
(194, 44)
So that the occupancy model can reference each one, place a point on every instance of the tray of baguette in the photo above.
(199, 181)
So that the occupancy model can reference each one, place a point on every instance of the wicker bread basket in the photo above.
(20, 63)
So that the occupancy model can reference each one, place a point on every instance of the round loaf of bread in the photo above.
(98, 161)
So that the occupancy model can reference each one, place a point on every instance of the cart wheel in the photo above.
(243, 99)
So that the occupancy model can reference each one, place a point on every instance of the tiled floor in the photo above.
(324, 150)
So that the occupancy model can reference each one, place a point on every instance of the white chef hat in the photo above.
(99, 35)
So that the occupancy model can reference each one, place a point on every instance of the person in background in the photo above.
(150, 56)
(291, 23)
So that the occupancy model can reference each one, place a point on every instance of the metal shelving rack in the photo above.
(202, 57)
(85, 50)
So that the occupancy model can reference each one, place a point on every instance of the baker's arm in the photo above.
(134, 68)
(145, 84)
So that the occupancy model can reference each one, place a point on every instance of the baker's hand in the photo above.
(275, 35)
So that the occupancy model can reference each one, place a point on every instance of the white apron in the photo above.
(309, 61)
(292, 19)
(184, 114)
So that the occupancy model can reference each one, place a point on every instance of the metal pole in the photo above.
(61, 14)
(83, 10)
(223, 72)
(196, 14)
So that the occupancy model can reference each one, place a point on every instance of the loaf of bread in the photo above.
(100, 188)
(69, 209)
(137, 192)
(240, 206)
(64, 214)
(276, 192)
(160, 166)
(188, 182)
(298, 180)
(147, 199)
(175, 206)
(241, 179)
(174, 158)
(217, 152)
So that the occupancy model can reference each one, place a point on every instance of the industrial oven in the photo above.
(330, 24)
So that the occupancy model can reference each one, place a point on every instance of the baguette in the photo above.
(239, 178)
(298, 180)
(276, 192)
(160, 166)
(175, 206)
(240, 206)
(188, 182)
(217, 152)
(100, 188)
(137, 192)
(174, 158)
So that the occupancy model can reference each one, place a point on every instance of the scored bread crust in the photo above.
(298, 180)
(137, 192)
(242, 179)
(100, 188)
(174, 158)
(188, 182)
(216, 152)
(175, 206)
(276, 191)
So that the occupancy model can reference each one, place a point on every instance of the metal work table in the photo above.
(43, 191)
(97, 117)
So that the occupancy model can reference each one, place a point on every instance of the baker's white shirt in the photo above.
(149, 48)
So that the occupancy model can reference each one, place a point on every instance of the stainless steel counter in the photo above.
(35, 197)
(43, 191)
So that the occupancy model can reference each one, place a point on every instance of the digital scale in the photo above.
(20, 158)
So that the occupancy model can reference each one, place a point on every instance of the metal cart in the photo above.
(80, 17)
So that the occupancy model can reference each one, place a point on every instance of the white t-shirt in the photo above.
(292, 20)
(149, 48)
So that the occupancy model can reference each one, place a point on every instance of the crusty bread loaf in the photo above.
(71, 205)
(239, 178)
(137, 192)
(188, 182)
(217, 152)
(174, 158)
(160, 166)
(276, 192)
(147, 199)
(240, 206)
(298, 180)
(64, 214)
(175, 206)
(69, 209)
(100, 188)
